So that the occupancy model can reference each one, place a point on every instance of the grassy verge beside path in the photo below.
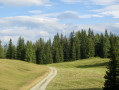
(85, 74)
(20, 75)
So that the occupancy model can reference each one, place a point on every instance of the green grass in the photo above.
(19, 75)
(85, 74)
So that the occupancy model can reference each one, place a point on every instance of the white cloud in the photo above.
(24, 32)
(23, 2)
(30, 27)
(75, 15)
(95, 2)
(111, 10)
(104, 2)
(71, 1)
(34, 27)
(115, 14)
(68, 15)
(35, 11)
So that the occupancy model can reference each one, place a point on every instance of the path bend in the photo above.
(43, 84)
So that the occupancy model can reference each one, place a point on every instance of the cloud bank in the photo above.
(23, 2)
(34, 27)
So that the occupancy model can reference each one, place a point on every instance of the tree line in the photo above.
(78, 45)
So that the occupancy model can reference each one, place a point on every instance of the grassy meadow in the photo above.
(20, 75)
(85, 74)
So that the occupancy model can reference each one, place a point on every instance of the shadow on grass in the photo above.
(3, 89)
(85, 89)
(93, 65)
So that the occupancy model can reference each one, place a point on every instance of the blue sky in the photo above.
(33, 19)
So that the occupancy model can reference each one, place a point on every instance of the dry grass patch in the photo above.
(20, 75)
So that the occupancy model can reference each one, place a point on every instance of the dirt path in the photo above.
(43, 84)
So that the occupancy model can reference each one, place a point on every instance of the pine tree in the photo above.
(84, 43)
(20, 49)
(90, 44)
(106, 45)
(72, 46)
(5, 50)
(112, 75)
(97, 45)
(90, 48)
(65, 49)
(61, 49)
(61, 53)
(13, 52)
(40, 54)
(48, 53)
(56, 49)
(1, 51)
(9, 51)
(30, 53)
(57, 56)
(77, 39)
(102, 46)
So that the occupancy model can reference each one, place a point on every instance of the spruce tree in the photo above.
(102, 46)
(57, 55)
(65, 49)
(106, 45)
(84, 43)
(48, 53)
(1, 51)
(56, 49)
(9, 51)
(72, 46)
(20, 49)
(61, 48)
(90, 44)
(13, 52)
(112, 74)
(61, 53)
(97, 45)
(30, 53)
(77, 39)
(40, 53)
(90, 48)
(5, 50)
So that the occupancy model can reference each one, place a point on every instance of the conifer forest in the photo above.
(79, 45)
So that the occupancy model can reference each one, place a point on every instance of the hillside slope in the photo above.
(20, 75)
(85, 74)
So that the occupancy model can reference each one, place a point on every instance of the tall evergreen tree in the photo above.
(9, 51)
(61, 49)
(1, 51)
(84, 43)
(77, 46)
(106, 45)
(55, 49)
(40, 53)
(20, 49)
(14, 52)
(5, 50)
(72, 46)
(112, 75)
(48, 53)
(97, 44)
(61, 53)
(90, 44)
(65, 49)
(30, 53)
(102, 46)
